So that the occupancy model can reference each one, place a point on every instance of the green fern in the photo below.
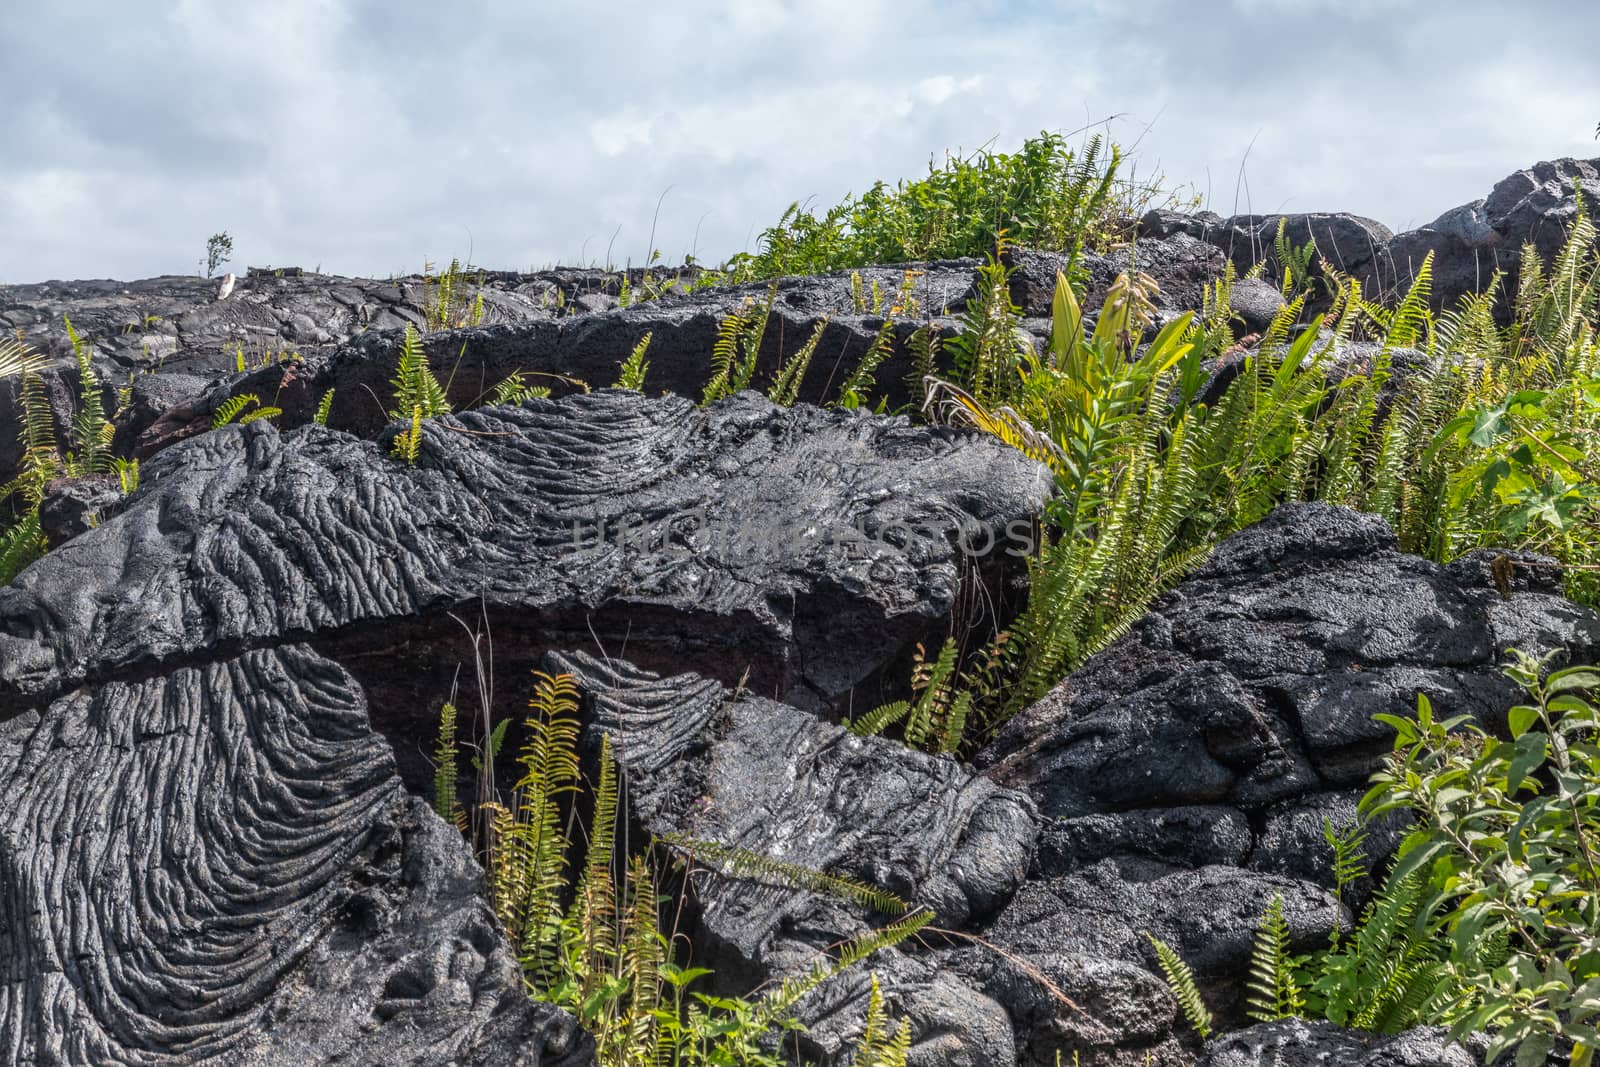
(1180, 979)
(936, 719)
(324, 409)
(414, 383)
(881, 1045)
(19, 546)
(530, 872)
(925, 346)
(92, 432)
(786, 386)
(260, 413)
(1273, 991)
(736, 862)
(858, 385)
(445, 801)
(234, 408)
(635, 367)
(738, 347)
(781, 1002)
(724, 354)
(515, 388)
(407, 444)
(1349, 861)
(1384, 978)
(1294, 262)
(754, 332)
(986, 351)
(127, 472)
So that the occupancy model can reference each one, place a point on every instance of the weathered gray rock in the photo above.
(72, 506)
(1185, 836)
(1299, 1043)
(1181, 265)
(1470, 243)
(1104, 910)
(813, 548)
(206, 850)
(1346, 241)
(174, 331)
(1163, 222)
(219, 865)
(1197, 758)
(1122, 1016)
(560, 341)
(1256, 302)
(1256, 680)
(747, 772)
(701, 762)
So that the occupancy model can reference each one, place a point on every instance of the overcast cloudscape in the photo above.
(365, 138)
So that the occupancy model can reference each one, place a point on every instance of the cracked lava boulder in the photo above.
(1195, 759)
(207, 849)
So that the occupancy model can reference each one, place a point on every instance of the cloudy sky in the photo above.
(368, 138)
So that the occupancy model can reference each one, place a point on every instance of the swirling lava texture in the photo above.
(822, 538)
(178, 854)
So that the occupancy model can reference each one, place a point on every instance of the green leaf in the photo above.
(1573, 679)
(1520, 718)
(1424, 853)
(1529, 756)
(1534, 1050)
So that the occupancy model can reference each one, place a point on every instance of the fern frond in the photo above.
(642, 954)
(880, 1045)
(780, 1003)
(515, 388)
(445, 801)
(735, 862)
(324, 408)
(857, 386)
(20, 546)
(533, 843)
(1180, 980)
(786, 387)
(880, 718)
(1273, 991)
(724, 352)
(231, 408)
(635, 367)
(260, 413)
(18, 358)
(91, 430)
(750, 338)
(415, 386)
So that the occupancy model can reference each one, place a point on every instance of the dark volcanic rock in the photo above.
(168, 337)
(1256, 302)
(1346, 241)
(566, 352)
(207, 852)
(1299, 1043)
(711, 765)
(72, 506)
(1105, 910)
(752, 773)
(810, 547)
(774, 780)
(1469, 243)
(1256, 680)
(1198, 758)
(1181, 265)
(220, 865)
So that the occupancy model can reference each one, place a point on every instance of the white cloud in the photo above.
(363, 136)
